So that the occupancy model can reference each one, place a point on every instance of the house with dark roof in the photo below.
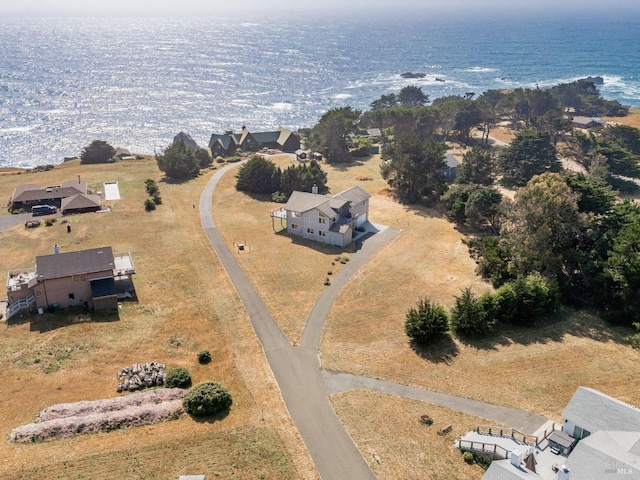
(600, 439)
(80, 203)
(330, 219)
(27, 195)
(91, 277)
(228, 142)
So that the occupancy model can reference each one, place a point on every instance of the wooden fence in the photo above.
(496, 451)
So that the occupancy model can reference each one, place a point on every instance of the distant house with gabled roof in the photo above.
(330, 219)
(586, 122)
(228, 142)
(27, 195)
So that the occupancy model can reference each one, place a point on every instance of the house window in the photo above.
(322, 220)
(310, 230)
(72, 296)
(295, 226)
(322, 233)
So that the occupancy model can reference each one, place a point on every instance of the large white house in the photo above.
(330, 219)
(600, 439)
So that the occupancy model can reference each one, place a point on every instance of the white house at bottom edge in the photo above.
(330, 219)
(605, 434)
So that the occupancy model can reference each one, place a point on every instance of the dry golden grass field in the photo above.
(397, 445)
(186, 304)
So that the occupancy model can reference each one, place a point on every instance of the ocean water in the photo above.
(136, 82)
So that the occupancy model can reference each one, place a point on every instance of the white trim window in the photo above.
(310, 231)
(295, 226)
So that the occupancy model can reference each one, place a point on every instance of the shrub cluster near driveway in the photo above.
(521, 302)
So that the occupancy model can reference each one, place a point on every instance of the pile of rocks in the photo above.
(141, 375)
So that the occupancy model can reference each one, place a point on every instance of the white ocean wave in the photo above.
(481, 69)
(281, 106)
(342, 96)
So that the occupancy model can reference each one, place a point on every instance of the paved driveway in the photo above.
(10, 221)
(304, 386)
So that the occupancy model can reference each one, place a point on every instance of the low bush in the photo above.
(151, 186)
(469, 458)
(204, 356)
(149, 205)
(207, 398)
(178, 377)
(426, 322)
(157, 199)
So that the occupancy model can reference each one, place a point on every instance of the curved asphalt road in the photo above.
(304, 386)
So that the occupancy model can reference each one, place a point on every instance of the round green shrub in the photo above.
(178, 377)
(149, 205)
(204, 356)
(469, 458)
(207, 398)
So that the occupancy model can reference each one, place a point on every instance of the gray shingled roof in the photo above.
(80, 201)
(601, 454)
(74, 263)
(595, 411)
(304, 201)
(451, 161)
(503, 470)
(31, 192)
(354, 195)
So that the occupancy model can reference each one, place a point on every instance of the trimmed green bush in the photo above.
(149, 205)
(178, 377)
(469, 316)
(207, 398)
(469, 458)
(426, 322)
(204, 356)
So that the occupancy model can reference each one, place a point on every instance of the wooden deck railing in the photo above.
(507, 432)
(496, 450)
(20, 305)
(546, 432)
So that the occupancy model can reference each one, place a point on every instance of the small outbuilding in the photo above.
(81, 203)
(587, 122)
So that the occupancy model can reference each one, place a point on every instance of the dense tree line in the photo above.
(564, 237)
(523, 301)
(262, 176)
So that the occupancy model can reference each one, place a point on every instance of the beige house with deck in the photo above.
(93, 277)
